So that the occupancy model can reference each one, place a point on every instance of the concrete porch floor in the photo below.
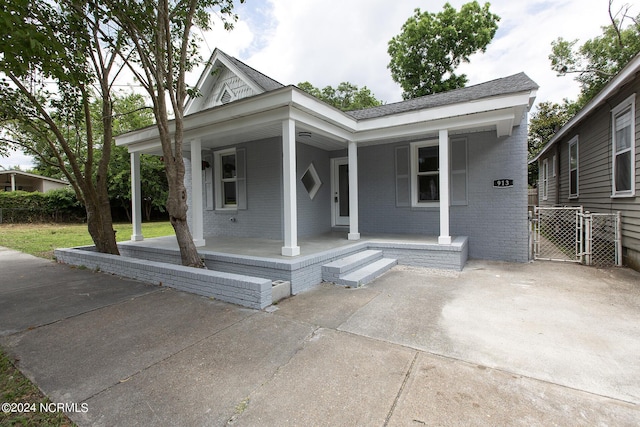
(267, 248)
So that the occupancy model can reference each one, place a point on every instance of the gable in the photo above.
(228, 87)
(226, 79)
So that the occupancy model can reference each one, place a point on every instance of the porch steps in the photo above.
(357, 269)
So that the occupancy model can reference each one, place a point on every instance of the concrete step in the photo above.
(367, 273)
(335, 269)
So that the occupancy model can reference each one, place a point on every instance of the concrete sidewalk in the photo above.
(498, 344)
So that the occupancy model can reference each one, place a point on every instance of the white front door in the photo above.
(340, 190)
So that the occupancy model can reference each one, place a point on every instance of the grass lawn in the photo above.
(41, 239)
(15, 388)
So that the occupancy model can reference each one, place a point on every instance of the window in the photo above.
(573, 168)
(226, 95)
(311, 181)
(545, 179)
(553, 166)
(226, 179)
(623, 148)
(425, 174)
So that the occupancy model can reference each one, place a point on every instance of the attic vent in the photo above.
(226, 97)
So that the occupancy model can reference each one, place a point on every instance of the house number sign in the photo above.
(503, 183)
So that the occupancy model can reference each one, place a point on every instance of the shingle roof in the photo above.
(265, 82)
(506, 85)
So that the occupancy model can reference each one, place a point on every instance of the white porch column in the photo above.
(443, 148)
(290, 247)
(197, 214)
(354, 234)
(13, 182)
(136, 198)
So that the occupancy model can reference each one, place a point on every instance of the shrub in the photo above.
(59, 205)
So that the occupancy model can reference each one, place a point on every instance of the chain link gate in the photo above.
(570, 234)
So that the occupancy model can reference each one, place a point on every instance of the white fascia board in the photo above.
(321, 126)
(315, 107)
(446, 111)
(420, 128)
(238, 109)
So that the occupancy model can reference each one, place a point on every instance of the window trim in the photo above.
(311, 170)
(574, 142)
(415, 146)
(627, 104)
(225, 89)
(545, 179)
(218, 180)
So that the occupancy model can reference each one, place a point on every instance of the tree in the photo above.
(600, 58)
(346, 97)
(162, 48)
(425, 55)
(53, 66)
(543, 124)
(131, 113)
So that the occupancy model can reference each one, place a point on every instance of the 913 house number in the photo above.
(502, 183)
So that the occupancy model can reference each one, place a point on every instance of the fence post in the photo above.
(588, 222)
(618, 239)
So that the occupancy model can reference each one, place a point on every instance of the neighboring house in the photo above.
(594, 160)
(280, 164)
(13, 180)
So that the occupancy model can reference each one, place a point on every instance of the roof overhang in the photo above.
(261, 117)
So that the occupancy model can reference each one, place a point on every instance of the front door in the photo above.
(340, 190)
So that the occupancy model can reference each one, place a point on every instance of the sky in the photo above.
(326, 42)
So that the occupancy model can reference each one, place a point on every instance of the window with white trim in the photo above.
(425, 174)
(311, 181)
(226, 179)
(623, 148)
(573, 168)
(545, 179)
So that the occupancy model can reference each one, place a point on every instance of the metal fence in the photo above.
(571, 234)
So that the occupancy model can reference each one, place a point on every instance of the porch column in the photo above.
(197, 215)
(13, 182)
(354, 234)
(290, 247)
(136, 198)
(444, 238)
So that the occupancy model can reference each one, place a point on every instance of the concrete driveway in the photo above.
(498, 343)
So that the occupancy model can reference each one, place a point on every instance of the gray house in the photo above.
(444, 175)
(593, 160)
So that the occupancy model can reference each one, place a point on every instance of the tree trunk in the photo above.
(177, 209)
(100, 226)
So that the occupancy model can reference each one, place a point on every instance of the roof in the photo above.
(263, 81)
(626, 74)
(506, 85)
(32, 175)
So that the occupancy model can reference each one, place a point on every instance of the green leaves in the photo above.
(599, 59)
(431, 46)
(346, 96)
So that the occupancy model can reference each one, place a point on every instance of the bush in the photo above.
(59, 205)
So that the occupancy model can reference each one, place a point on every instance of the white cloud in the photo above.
(327, 42)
